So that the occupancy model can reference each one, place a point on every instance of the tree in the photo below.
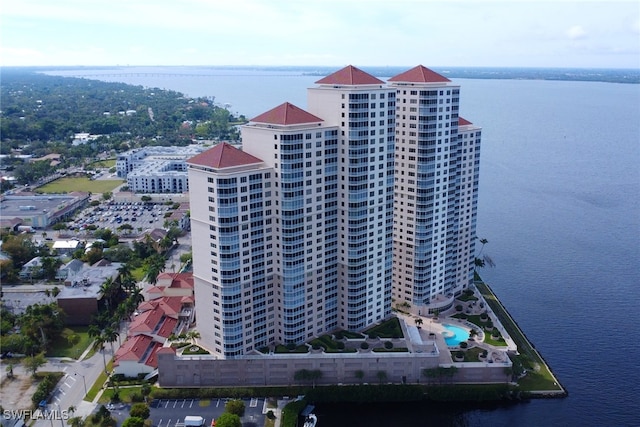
(382, 376)
(359, 374)
(315, 375)
(430, 374)
(42, 323)
(125, 277)
(186, 257)
(235, 406)
(140, 410)
(98, 344)
(50, 267)
(225, 420)
(133, 422)
(75, 421)
(145, 391)
(153, 266)
(110, 335)
(419, 322)
(33, 363)
(193, 336)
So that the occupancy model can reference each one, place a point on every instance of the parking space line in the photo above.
(166, 404)
(160, 423)
(218, 403)
(191, 404)
(175, 403)
(183, 402)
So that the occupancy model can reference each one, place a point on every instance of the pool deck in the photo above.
(436, 326)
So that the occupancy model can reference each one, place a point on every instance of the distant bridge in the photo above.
(178, 75)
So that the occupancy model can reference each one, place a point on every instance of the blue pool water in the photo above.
(459, 335)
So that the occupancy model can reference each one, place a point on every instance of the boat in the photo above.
(311, 421)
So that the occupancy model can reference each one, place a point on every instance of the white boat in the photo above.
(310, 421)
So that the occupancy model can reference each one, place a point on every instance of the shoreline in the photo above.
(525, 347)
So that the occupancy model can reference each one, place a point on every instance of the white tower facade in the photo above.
(435, 192)
(363, 108)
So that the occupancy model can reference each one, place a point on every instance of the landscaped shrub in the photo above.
(364, 346)
(464, 344)
(489, 325)
(459, 307)
(340, 345)
(388, 345)
(291, 346)
(388, 329)
(45, 387)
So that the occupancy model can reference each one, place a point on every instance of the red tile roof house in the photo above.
(137, 356)
(155, 321)
(172, 285)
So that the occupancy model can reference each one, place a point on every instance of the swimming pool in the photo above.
(454, 335)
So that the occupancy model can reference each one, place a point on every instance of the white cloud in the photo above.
(576, 32)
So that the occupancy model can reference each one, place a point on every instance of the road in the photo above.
(78, 379)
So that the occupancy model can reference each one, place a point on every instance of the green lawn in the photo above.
(298, 349)
(71, 343)
(97, 386)
(389, 329)
(123, 392)
(138, 273)
(69, 184)
(194, 349)
(326, 342)
(109, 163)
(539, 376)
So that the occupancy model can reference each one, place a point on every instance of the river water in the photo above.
(559, 205)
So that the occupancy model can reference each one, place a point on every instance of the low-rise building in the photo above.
(156, 169)
(81, 294)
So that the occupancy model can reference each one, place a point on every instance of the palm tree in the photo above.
(418, 322)
(93, 331)
(98, 344)
(193, 336)
(136, 296)
(154, 265)
(107, 291)
(126, 278)
(110, 335)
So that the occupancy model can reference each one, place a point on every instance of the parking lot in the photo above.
(171, 412)
(113, 215)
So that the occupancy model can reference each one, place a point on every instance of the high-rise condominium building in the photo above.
(294, 235)
(437, 160)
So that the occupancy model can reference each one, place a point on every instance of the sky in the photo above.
(507, 33)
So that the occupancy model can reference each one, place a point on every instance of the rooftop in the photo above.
(419, 74)
(350, 76)
(222, 156)
(286, 114)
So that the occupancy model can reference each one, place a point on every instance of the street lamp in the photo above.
(85, 383)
